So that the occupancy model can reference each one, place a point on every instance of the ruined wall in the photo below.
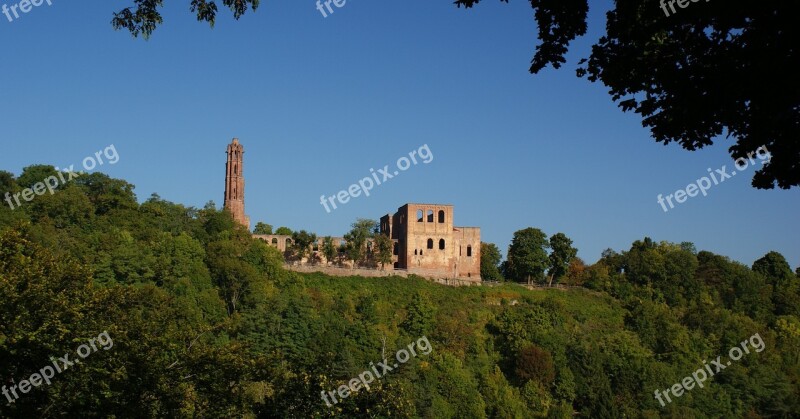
(467, 251)
(427, 243)
(429, 237)
(283, 242)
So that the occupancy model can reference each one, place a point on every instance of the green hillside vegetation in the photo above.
(206, 322)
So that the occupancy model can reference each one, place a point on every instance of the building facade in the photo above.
(428, 244)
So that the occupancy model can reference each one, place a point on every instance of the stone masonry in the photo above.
(234, 183)
(426, 243)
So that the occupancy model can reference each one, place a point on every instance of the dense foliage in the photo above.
(207, 323)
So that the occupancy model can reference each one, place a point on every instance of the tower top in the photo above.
(235, 146)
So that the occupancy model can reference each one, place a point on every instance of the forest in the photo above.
(206, 322)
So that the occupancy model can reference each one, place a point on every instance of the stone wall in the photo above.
(376, 273)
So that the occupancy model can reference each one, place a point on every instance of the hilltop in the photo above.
(206, 321)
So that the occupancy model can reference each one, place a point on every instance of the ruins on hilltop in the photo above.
(427, 244)
(425, 241)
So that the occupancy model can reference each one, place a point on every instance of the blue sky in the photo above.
(318, 102)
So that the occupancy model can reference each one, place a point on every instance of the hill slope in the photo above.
(204, 321)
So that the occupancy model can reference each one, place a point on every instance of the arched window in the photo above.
(275, 241)
(430, 216)
(441, 216)
(441, 244)
(430, 243)
(469, 251)
(288, 242)
(415, 252)
(419, 216)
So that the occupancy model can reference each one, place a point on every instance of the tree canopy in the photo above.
(262, 228)
(527, 255)
(490, 262)
(206, 322)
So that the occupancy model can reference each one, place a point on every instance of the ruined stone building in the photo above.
(234, 183)
(426, 242)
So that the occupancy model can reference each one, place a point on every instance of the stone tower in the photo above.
(234, 183)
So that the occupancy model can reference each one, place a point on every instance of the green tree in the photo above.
(613, 260)
(644, 263)
(527, 255)
(535, 363)
(786, 296)
(154, 361)
(108, 194)
(328, 249)
(502, 399)
(262, 228)
(36, 173)
(236, 279)
(215, 222)
(384, 247)
(69, 207)
(537, 397)
(301, 243)
(283, 231)
(361, 230)
(774, 266)
(490, 262)
(561, 255)
(7, 183)
(419, 317)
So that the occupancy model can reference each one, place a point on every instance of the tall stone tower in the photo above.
(234, 183)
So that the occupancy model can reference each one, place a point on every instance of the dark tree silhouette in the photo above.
(710, 69)
(143, 17)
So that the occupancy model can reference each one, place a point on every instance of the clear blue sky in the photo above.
(318, 101)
